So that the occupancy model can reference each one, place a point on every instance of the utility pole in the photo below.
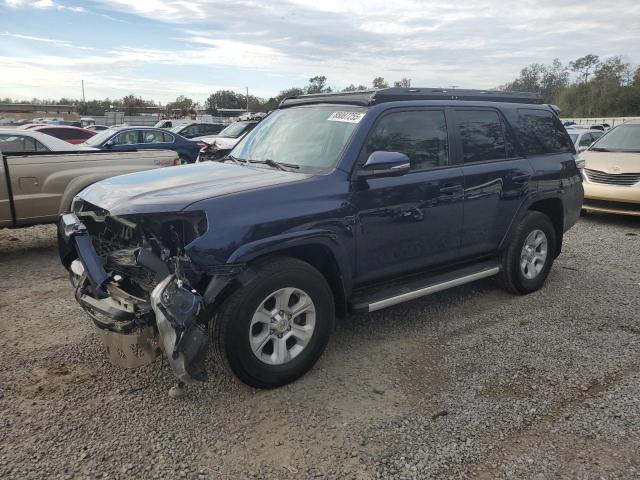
(247, 99)
(82, 91)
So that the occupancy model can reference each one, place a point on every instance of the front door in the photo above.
(409, 222)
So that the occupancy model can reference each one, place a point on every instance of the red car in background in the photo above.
(69, 134)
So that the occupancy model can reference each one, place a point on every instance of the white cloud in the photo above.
(434, 42)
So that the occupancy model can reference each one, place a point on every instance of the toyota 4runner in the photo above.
(333, 203)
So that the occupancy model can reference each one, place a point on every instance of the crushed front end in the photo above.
(132, 276)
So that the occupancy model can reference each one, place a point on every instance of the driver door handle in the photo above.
(451, 188)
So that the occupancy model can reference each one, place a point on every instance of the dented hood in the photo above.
(172, 189)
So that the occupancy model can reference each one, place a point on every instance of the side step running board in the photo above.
(438, 285)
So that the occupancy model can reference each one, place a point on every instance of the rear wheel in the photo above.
(272, 330)
(528, 258)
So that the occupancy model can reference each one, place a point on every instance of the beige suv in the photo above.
(612, 171)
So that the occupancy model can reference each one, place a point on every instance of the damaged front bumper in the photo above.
(135, 330)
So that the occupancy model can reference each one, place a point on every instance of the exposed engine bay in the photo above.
(132, 276)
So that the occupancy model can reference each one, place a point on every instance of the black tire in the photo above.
(183, 160)
(231, 325)
(511, 275)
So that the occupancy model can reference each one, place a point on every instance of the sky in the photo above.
(159, 49)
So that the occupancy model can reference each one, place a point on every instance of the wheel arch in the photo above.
(321, 250)
(554, 209)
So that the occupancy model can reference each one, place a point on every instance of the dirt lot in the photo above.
(473, 382)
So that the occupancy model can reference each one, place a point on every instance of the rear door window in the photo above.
(152, 136)
(540, 132)
(483, 136)
(421, 135)
(126, 138)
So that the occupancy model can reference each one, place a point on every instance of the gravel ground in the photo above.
(473, 382)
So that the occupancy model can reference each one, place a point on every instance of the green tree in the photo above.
(585, 65)
(132, 104)
(182, 106)
(379, 82)
(273, 102)
(404, 83)
(224, 99)
(353, 88)
(317, 84)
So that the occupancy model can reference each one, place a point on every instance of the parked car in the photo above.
(333, 203)
(29, 126)
(612, 171)
(217, 146)
(139, 138)
(69, 134)
(583, 138)
(35, 187)
(30, 141)
(173, 122)
(196, 129)
(97, 128)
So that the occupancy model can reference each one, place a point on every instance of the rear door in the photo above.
(413, 221)
(496, 178)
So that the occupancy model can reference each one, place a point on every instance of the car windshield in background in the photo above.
(234, 130)
(625, 138)
(99, 138)
(310, 137)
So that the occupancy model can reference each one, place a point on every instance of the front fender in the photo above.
(277, 243)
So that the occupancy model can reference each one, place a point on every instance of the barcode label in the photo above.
(349, 117)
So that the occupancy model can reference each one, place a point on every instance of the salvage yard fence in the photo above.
(612, 121)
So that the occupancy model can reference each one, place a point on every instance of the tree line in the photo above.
(599, 88)
(586, 87)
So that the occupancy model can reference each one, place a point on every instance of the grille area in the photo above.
(621, 179)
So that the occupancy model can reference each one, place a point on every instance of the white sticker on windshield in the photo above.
(349, 117)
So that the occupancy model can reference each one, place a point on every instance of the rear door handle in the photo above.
(451, 188)
(521, 178)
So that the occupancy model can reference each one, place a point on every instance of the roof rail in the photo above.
(373, 97)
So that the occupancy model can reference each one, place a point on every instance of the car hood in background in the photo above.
(174, 188)
(612, 162)
(222, 143)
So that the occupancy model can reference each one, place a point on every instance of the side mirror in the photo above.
(385, 164)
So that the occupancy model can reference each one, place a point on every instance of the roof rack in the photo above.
(373, 97)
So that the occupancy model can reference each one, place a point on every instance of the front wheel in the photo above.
(274, 328)
(527, 260)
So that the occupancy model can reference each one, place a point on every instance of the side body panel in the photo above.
(6, 219)
(44, 185)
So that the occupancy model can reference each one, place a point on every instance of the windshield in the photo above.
(625, 138)
(311, 137)
(99, 138)
(234, 130)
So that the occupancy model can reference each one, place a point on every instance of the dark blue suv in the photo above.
(333, 203)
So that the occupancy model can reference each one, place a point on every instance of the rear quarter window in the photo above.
(540, 132)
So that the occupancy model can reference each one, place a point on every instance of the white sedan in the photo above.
(583, 138)
(27, 141)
